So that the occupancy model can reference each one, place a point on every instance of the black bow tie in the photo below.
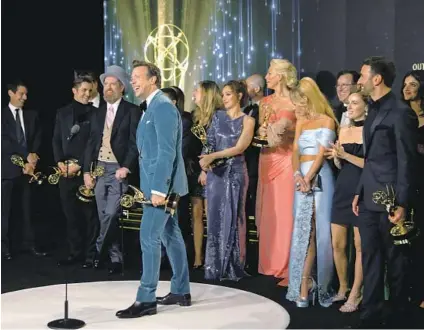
(143, 106)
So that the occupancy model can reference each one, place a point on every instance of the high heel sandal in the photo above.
(341, 297)
(303, 302)
(349, 307)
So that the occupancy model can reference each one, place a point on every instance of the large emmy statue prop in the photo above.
(54, 178)
(37, 177)
(86, 194)
(200, 132)
(404, 231)
(170, 206)
(261, 141)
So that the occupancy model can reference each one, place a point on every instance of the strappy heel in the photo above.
(349, 307)
(341, 297)
(303, 302)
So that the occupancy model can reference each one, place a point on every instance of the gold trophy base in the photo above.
(85, 194)
(260, 142)
(403, 233)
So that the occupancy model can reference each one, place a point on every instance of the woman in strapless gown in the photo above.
(275, 193)
(311, 239)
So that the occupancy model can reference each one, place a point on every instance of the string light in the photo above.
(234, 43)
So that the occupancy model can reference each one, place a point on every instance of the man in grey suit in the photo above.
(112, 145)
(162, 171)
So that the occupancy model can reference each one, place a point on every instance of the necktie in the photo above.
(110, 116)
(19, 131)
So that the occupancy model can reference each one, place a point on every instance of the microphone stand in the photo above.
(66, 323)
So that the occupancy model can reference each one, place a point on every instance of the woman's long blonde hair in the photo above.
(210, 102)
(308, 91)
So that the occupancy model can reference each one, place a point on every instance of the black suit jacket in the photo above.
(251, 154)
(9, 141)
(390, 153)
(123, 139)
(66, 117)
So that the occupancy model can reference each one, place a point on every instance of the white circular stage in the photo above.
(214, 307)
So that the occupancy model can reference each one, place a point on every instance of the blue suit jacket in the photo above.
(159, 141)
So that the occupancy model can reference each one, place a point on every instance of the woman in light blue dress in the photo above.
(311, 239)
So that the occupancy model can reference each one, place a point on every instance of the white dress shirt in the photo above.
(148, 100)
(115, 106)
(21, 115)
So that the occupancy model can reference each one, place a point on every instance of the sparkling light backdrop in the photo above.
(228, 39)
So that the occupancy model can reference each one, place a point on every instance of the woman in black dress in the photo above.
(413, 94)
(347, 154)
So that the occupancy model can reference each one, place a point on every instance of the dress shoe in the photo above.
(115, 268)
(138, 309)
(7, 256)
(88, 264)
(70, 260)
(33, 251)
(175, 299)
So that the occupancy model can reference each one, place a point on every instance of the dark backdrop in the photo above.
(44, 41)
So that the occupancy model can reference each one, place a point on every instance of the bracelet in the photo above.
(297, 173)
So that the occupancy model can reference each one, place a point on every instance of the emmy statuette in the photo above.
(261, 141)
(170, 206)
(37, 177)
(403, 232)
(200, 132)
(85, 194)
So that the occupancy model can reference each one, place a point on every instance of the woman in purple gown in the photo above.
(230, 133)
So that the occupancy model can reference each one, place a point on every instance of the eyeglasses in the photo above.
(343, 85)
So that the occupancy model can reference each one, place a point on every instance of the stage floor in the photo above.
(214, 307)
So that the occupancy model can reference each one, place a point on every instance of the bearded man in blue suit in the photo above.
(159, 138)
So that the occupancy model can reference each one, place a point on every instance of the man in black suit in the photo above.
(255, 90)
(390, 140)
(20, 135)
(112, 145)
(71, 133)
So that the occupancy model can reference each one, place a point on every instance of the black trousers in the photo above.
(250, 207)
(82, 223)
(184, 218)
(378, 250)
(16, 208)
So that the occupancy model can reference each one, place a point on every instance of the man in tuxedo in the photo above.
(112, 145)
(162, 171)
(346, 84)
(390, 140)
(70, 136)
(255, 90)
(95, 98)
(20, 135)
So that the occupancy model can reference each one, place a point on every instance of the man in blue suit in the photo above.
(159, 136)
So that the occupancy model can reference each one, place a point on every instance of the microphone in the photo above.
(74, 130)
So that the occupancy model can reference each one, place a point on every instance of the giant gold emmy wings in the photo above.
(54, 178)
(404, 231)
(137, 196)
(200, 132)
(86, 194)
(261, 141)
(37, 177)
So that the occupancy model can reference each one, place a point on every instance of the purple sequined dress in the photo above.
(226, 196)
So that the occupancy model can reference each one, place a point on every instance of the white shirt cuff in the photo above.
(154, 192)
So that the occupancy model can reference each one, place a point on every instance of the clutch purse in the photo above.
(316, 184)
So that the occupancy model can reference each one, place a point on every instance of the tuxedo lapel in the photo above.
(27, 125)
(120, 114)
(69, 119)
(381, 114)
(10, 122)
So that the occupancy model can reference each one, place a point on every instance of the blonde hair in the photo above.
(210, 102)
(286, 69)
(309, 92)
